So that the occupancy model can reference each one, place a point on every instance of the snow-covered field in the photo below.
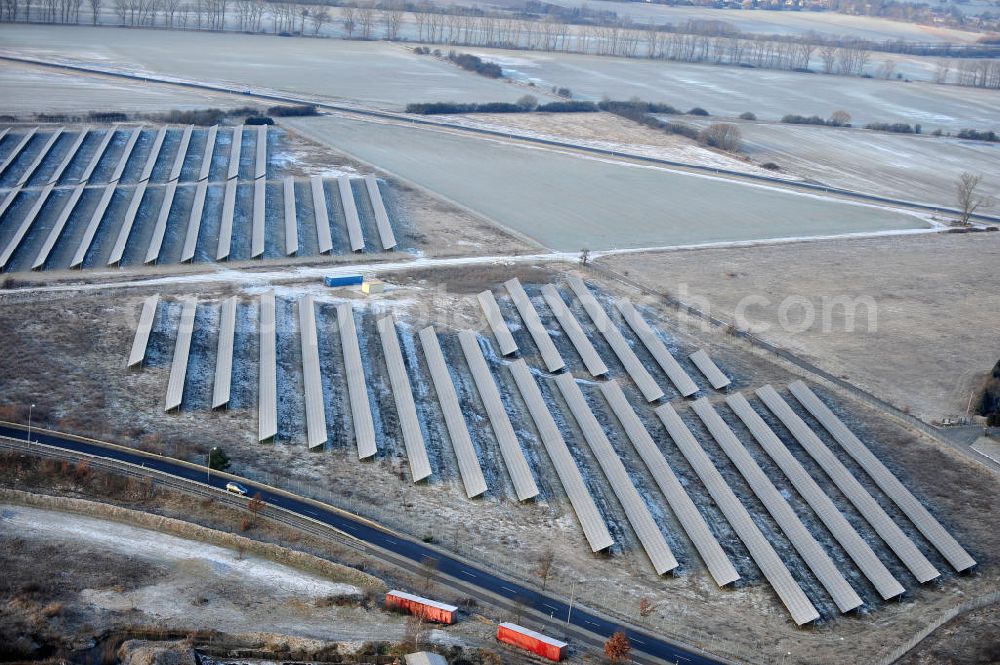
(375, 73)
(566, 201)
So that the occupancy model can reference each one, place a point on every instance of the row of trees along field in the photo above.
(593, 33)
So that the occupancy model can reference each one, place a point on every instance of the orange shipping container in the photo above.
(525, 638)
(424, 608)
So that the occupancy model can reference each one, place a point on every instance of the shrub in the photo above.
(747, 115)
(975, 135)
(681, 129)
(770, 166)
(476, 64)
(110, 116)
(422, 50)
(568, 107)
(803, 120)
(895, 127)
(697, 110)
(566, 93)
(292, 111)
(258, 120)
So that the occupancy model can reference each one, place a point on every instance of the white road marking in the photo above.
(465, 572)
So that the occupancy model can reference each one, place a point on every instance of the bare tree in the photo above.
(428, 569)
(968, 198)
(618, 649)
(393, 17)
(584, 256)
(722, 135)
(646, 607)
(366, 17)
(348, 20)
(95, 10)
(840, 118)
(319, 18)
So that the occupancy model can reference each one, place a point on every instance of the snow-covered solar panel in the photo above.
(260, 165)
(194, 222)
(819, 562)
(496, 322)
(141, 339)
(182, 348)
(458, 431)
(636, 511)
(70, 155)
(574, 331)
(126, 154)
(550, 355)
(291, 224)
(646, 384)
(267, 380)
(781, 580)
(715, 558)
(160, 229)
(385, 232)
(707, 366)
(206, 158)
(154, 154)
(93, 224)
(18, 149)
(402, 395)
(226, 226)
(855, 546)
(594, 528)
(316, 434)
(22, 228)
(30, 171)
(354, 233)
(235, 149)
(95, 159)
(53, 235)
(222, 387)
(865, 503)
(257, 239)
(357, 387)
(936, 534)
(175, 168)
(118, 251)
(681, 380)
(321, 215)
(510, 449)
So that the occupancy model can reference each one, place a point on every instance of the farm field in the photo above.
(373, 73)
(577, 197)
(920, 286)
(31, 89)
(768, 22)
(904, 166)
(729, 91)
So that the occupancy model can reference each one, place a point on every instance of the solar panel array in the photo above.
(774, 569)
(458, 432)
(887, 482)
(550, 355)
(574, 331)
(646, 384)
(316, 434)
(402, 395)
(711, 371)
(636, 511)
(812, 553)
(357, 388)
(131, 173)
(772, 493)
(510, 449)
(497, 323)
(593, 525)
(715, 558)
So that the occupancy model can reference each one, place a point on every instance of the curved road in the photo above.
(369, 533)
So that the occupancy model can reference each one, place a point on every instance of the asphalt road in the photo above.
(414, 551)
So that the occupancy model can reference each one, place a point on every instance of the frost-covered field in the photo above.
(729, 91)
(31, 89)
(769, 22)
(566, 201)
(917, 168)
(375, 73)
